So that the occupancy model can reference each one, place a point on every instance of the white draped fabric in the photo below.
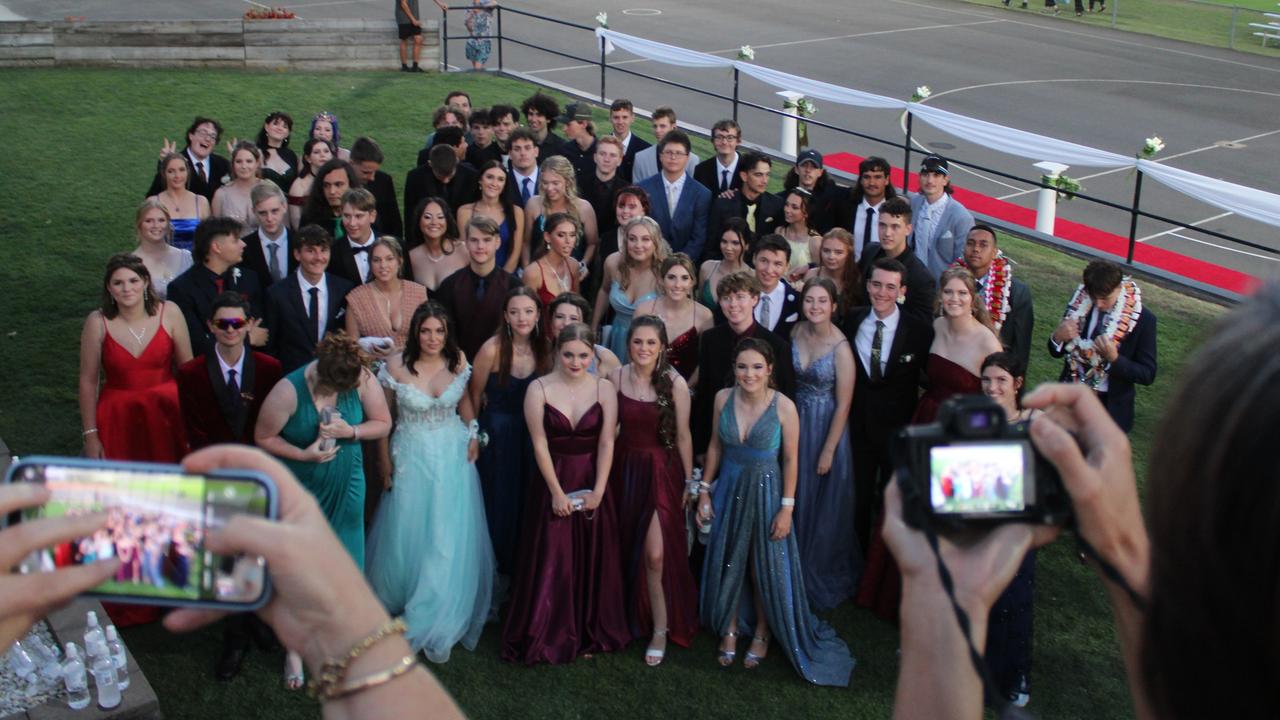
(1247, 202)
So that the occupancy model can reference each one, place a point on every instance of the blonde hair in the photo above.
(146, 206)
(976, 306)
(655, 261)
(560, 165)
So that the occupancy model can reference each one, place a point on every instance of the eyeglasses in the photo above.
(209, 134)
(674, 153)
(225, 324)
(718, 137)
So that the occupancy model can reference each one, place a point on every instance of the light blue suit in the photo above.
(946, 236)
(686, 232)
(646, 164)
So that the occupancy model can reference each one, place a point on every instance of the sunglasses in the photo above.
(230, 323)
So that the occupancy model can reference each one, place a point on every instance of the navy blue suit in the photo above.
(1135, 365)
(686, 232)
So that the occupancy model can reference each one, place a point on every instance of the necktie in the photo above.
(357, 249)
(204, 177)
(876, 373)
(868, 229)
(724, 180)
(751, 216)
(525, 194)
(482, 285)
(218, 285)
(233, 387)
(673, 196)
(765, 302)
(1095, 324)
(313, 310)
(274, 260)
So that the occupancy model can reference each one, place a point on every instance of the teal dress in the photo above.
(623, 311)
(338, 485)
(746, 496)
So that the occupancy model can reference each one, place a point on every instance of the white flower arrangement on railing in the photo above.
(921, 93)
(1067, 187)
(602, 19)
(1152, 146)
(746, 53)
(804, 108)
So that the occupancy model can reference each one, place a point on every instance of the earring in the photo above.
(508, 326)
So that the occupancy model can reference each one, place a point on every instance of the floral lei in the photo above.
(996, 289)
(1083, 358)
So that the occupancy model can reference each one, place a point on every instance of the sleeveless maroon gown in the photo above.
(567, 599)
(881, 586)
(648, 479)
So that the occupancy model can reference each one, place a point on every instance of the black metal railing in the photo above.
(1133, 209)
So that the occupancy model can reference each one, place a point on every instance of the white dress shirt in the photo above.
(362, 258)
(518, 178)
(323, 297)
(198, 164)
(673, 190)
(860, 240)
(732, 168)
(776, 298)
(867, 334)
(238, 367)
(281, 251)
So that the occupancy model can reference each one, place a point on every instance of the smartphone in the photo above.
(157, 520)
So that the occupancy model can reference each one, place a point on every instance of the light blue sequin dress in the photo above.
(746, 496)
(429, 554)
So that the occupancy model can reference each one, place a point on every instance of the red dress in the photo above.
(648, 479)
(682, 353)
(138, 418)
(881, 586)
(567, 599)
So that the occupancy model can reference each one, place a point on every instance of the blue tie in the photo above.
(524, 191)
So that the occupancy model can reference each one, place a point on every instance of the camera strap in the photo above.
(1109, 571)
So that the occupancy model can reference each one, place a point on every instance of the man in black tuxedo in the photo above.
(483, 146)
(268, 251)
(621, 115)
(719, 172)
(895, 228)
(980, 252)
(307, 304)
(890, 347)
(444, 175)
(477, 294)
(204, 168)
(827, 199)
(761, 210)
(221, 395)
(220, 250)
(738, 293)
(779, 307)
(522, 167)
(367, 158)
(349, 257)
(1131, 361)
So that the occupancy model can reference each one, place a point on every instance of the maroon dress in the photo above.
(567, 598)
(682, 353)
(648, 479)
(881, 586)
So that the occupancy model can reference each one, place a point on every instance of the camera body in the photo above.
(972, 468)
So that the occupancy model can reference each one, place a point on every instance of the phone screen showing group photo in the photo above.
(156, 527)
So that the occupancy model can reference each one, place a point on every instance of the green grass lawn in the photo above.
(1202, 23)
(81, 150)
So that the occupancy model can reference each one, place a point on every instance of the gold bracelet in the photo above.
(333, 672)
(404, 665)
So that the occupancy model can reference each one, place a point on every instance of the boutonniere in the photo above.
(225, 179)
(906, 358)
(235, 275)
(246, 397)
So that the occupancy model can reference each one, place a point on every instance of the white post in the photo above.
(787, 143)
(1047, 198)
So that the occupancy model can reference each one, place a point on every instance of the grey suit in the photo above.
(946, 237)
(646, 165)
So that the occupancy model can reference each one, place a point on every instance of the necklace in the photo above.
(566, 279)
(426, 250)
(137, 335)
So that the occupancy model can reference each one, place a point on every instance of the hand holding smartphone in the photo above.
(157, 519)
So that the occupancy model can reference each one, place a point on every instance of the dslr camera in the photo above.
(971, 468)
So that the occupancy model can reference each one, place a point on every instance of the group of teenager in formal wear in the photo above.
(590, 388)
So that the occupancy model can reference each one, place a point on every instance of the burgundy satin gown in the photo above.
(881, 586)
(567, 599)
(648, 479)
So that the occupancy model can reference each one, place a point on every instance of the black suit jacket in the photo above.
(715, 363)
(1015, 333)
(290, 341)
(218, 167)
(477, 156)
(208, 409)
(421, 183)
(922, 286)
(384, 194)
(256, 260)
(549, 146)
(705, 173)
(790, 314)
(829, 206)
(342, 262)
(1135, 364)
(634, 145)
(882, 408)
(768, 218)
(194, 292)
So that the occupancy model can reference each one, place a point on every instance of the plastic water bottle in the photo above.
(76, 681)
(115, 649)
(19, 661)
(104, 676)
(45, 657)
(92, 632)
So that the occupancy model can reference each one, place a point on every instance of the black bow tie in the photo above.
(361, 248)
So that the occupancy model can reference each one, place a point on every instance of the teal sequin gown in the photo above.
(430, 558)
(338, 485)
(746, 496)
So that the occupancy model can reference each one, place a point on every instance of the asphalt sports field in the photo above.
(1218, 111)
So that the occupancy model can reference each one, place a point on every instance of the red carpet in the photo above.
(1188, 267)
